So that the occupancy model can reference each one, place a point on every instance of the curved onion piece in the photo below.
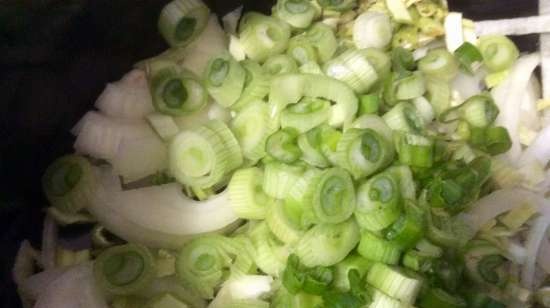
(36, 284)
(499, 202)
(508, 94)
(76, 288)
(158, 216)
(544, 251)
(539, 148)
(537, 234)
(246, 287)
(128, 98)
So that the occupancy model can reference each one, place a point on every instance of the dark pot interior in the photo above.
(55, 58)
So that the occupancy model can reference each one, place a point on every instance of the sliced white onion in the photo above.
(172, 285)
(127, 98)
(25, 260)
(514, 26)
(517, 252)
(537, 234)
(76, 288)
(36, 284)
(100, 136)
(454, 33)
(507, 95)
(231, 20)
(499, 202)
(372, 29)
(159, 216)
(539, 148)
(210, 43)
(529, 116)
(242, 288)
(49, 243)
(139, 158)
(468, 85)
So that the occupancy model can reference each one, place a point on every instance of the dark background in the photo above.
(55, 58)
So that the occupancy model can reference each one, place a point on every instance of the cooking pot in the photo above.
(56, 56)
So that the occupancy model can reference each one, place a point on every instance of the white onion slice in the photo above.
(468, 85)
(539, 148)
(242, 288)
(544, 251)
(127, 98)
(454, 33)
(536, 235)
(36, 284)
(76, 288)
(231, 20)
(514, 26)
(499, 202)
(159, 216)
(508, 94)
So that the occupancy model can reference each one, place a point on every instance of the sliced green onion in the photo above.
(164, 125)
(402, 60)
(374, 122)
(251, 127)
(377, 249)
(270, 254)
(497, 140)
(246, 195)
(404, 117)
(310, 144)
(498, 51)
(369, 104)
(399, 11)
(69, 183)
(311, 68)
(381, 300)
(431, 27)
(379, 60)
(342, 270)
(438, 94)
(230, 142)
(327, 244)
(405, 88)
(305, 115)
(337, 5)
(291, 88)
(279, 178)
(439, 63)
(364, 152)
(175, 91)
(331, 196)
(225, 79)
(284, 222)
(323, 39)
(478, 111)
(353, 68)
(394, 283)
(182, 21)
(378, 202)
(414, 150)
(164, 301)
(330, 138)
(318, 280)
(408, 229)
(439, 298)
(417, 261)
(125, 269)
(280, 64)
(200, 157)
(468, 55)
(301, 49)
(256, 84)
(282, 145)
(372, 29)
(297, 13)
(406, 181)
(263, 36)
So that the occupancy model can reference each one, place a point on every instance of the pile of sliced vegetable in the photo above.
(336, 153)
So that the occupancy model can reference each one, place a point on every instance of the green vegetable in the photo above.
(499, 52)
(182, 21)
(263, 36)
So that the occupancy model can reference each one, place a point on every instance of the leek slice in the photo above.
(310, 144)
(399, 11)
(377, 249)
(394, 283)
(343, 269)
(353, 68)
(202, 157)
(327, 244)
(499, 52)
(256, 84)
(182, 21)
(324, 40)
(297, 13)
(263, 36)
(69, 183)
(291, 88)
(282, 145)
(164, 125)
(301, 49)
(282, 221)
(306, 114)
(378, 202)
(125, 269)
(279, 178)
(270, 254)
(246, 195)
(404, 117)
(439, 63)
(225, 80)
(337, 5)
(372, 29)
(280, 64)
(175, 91)
(251, 128)
(364, 151)
(331, 196)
